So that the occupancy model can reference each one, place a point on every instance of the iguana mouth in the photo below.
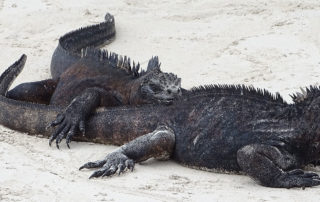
(166, 101)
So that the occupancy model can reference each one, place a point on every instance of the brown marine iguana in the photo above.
(233, 128)
(96, 78)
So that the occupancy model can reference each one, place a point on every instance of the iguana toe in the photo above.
(295, 172)
(95, 164)
(97, 173)
(121, 168)
(82, 127)
(108, 172)
(70, 135)
(56, 133)
(130, 164)
(296, 178)
(110, 165)
(62, 134)
(56, 122)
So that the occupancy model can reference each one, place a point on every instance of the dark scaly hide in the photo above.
(225, 127)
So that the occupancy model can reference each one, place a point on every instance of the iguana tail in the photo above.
(11, 74)
(18, 115)
(71, 44)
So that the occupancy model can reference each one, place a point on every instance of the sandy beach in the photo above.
(267, 44)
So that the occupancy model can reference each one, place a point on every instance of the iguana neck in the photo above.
(133, 92)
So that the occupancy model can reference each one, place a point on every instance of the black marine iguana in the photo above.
(81, 83)
(234, 128)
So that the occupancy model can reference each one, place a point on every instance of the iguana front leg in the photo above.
(73, 118)
(274, 167)
(158, 144)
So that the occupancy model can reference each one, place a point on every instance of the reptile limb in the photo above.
(272, 166)
(158, 144)
(73, 118)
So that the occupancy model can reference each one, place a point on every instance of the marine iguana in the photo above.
(83, 82)
(229, 127)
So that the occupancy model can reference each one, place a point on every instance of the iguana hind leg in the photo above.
(72, 119)
(158, 144)
(37, 92)
(274, 167)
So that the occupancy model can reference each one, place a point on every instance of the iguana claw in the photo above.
(110, 165)
(298, 178)
(67, 125)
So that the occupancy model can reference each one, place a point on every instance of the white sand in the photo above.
(274, 45)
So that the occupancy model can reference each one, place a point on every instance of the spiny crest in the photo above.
(307, 95)
(113, 59)
(153, 64)
(92, 35)
(241, 90)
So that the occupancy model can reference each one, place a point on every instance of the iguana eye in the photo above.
(155, 88)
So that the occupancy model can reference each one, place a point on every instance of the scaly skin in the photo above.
(81, 89)
(234, 128)
(70, 46)
(85, 78)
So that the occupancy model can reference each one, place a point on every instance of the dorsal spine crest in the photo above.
(240, 90)
(113, 59)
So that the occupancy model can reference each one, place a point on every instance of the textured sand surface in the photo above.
(269, 44)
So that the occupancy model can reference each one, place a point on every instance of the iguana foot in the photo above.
(271, 166)
(73, 118)
(115, 161)
(157, 144)
(69, 123)
(298, 178)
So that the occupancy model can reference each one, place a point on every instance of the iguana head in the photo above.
(160, 87)
(156, 86)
